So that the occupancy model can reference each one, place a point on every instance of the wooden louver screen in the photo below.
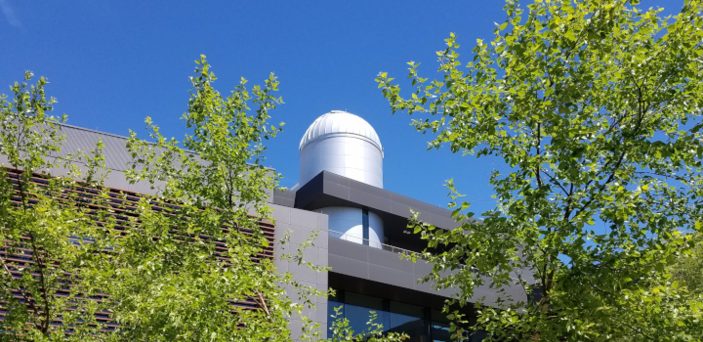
(121, 204)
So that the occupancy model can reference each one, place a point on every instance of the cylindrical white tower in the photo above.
(342, 143)
(345, 144)
(355, 225)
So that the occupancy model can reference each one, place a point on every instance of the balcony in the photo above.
(366, 242)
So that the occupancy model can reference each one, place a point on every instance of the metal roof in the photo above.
(117, 156)
(77, 139)
(336, 122)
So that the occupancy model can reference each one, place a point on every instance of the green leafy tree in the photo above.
(47, 247)
(594, 106)
(202, 271)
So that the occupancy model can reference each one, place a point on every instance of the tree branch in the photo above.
(27, 298)
(44, 289)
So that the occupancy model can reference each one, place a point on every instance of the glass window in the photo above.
(358, 316)
(362, 300)
(395, 317)
(406, 309)
(405, 316)
(358, 310)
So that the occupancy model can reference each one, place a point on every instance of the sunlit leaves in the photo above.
(595, 108)
(50, 243)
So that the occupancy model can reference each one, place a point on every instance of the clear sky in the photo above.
(112, 63)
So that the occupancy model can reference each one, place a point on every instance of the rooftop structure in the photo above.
(342, 143)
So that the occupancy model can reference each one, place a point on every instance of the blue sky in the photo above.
(112, 63)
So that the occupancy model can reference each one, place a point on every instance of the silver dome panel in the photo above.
(342, 143)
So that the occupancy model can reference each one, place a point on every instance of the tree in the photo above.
(211, 276)
(595, 108)
(47, 247)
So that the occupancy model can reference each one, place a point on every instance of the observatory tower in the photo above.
(347, 145)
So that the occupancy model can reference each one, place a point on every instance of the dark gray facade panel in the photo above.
(419, 205)
(335, 178)
(286, 199)
(392, 276)
(348, 250)
(307, 194)
(335, 189)
(329, 189)
(379, 192)
(385, 267)
(401, 209)
(370, 200)
(422, 267)
(386, 291)
(380, 257)
(350, 267)
(429, 288)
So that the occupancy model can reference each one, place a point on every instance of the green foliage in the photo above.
(47, 247)
(215, 179)
(595, 109)
(688, 269)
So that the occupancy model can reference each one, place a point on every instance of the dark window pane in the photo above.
(406, 309)
(358, 317)
(439, 316)
(413, 326)
(408, 319)
(440, 330)
(398, 320)
(364, 301)
(441, 335)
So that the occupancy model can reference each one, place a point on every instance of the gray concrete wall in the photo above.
(301, 224)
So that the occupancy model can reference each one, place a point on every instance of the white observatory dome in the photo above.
(338, 121)
(345, 144)
(342, 143)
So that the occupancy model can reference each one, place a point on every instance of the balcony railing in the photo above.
(360, 240)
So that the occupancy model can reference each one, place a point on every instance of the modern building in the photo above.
(362, 228)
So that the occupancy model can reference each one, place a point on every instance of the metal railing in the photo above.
(375, 244)
(360, 240)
